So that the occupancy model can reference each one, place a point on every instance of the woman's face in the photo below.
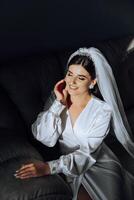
(78, 80)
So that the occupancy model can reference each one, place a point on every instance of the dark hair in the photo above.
(88, 64)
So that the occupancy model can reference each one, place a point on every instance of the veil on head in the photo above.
(109, 91)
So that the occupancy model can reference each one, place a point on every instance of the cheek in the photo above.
(84, 87)
(67, 79)
(84, 84)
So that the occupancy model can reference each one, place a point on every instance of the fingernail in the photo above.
(16, 176)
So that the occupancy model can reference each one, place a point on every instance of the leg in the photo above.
(105, 180)
(82, 194)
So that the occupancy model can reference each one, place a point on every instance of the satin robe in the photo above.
(85, 157)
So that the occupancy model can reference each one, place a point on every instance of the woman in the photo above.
(81, 121)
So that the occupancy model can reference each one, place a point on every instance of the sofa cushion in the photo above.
(10, 117)
(16, 151)
(28, 84)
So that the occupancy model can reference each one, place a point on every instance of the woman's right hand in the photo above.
(61, 92)
(35, 169)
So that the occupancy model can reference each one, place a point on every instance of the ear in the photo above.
(94, 81)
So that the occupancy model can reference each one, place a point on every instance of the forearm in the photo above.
(72, 164)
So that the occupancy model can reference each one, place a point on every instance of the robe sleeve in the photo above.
(81, 160)
(47, 127)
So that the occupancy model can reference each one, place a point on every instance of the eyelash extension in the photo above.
(81, 79)
(69, 74)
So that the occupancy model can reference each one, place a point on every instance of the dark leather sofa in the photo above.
(25, 84)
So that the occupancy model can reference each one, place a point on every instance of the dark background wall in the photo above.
(31, 26)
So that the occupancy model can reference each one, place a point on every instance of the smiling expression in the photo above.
(78, 80)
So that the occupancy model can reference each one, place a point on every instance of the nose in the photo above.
(73, 80)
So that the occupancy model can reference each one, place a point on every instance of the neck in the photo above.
(80, 100)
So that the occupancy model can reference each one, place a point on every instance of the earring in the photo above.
(91, 86)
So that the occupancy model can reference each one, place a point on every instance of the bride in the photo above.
(87, 104)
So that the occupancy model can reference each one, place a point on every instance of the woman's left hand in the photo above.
(33, 170)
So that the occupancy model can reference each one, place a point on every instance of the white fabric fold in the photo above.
(109, 90)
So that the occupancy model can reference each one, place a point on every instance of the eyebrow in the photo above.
(81, 75)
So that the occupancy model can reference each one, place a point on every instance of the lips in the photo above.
(73, 87)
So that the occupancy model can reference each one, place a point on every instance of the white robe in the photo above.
(80, 144)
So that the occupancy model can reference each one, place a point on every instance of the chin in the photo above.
(73, 92)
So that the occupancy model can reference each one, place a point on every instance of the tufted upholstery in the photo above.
(25, 84)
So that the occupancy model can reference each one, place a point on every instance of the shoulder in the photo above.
(102, 105)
